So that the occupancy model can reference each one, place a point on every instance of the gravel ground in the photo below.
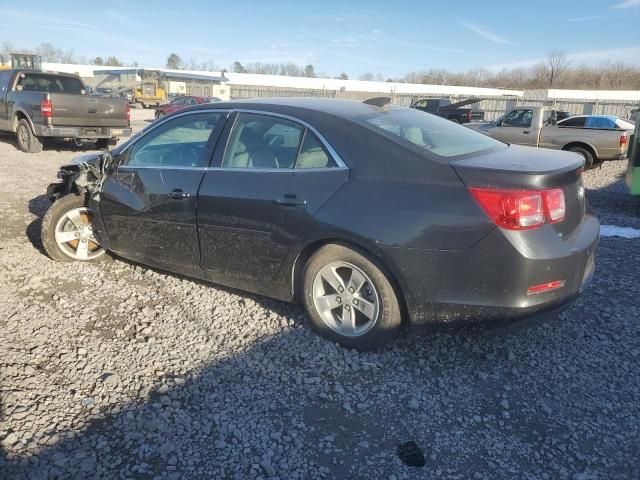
(113, 370)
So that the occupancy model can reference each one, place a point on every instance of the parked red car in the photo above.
(182, 102)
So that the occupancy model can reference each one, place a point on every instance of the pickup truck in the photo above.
(539, 127)
(443, 107)
(37, 105)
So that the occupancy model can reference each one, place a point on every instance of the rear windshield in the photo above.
(442, 138)
(39, 82)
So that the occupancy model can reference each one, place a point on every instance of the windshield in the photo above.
(435, 135)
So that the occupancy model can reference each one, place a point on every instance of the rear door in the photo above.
(255, 207)
(516, 127)
(149, 203)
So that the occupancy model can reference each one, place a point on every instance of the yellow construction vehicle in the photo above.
(150, 93)
(24, 60)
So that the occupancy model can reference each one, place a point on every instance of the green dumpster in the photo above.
(633, 168)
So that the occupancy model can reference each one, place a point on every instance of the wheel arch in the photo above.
(297, 270)
(21, 114)
(590, 148)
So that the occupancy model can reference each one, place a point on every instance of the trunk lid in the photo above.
(71, 110)
(530, 168)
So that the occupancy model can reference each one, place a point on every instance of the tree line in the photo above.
(556, 71)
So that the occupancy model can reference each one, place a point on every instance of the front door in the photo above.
(253, 209)
(5, 77)
(516, 127)
(149, 203)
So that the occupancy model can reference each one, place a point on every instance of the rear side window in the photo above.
(38, 82)
(429, 133)
(312, 154)
(573, 122)
(262, 142)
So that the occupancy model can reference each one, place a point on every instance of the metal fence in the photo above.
(493, 107)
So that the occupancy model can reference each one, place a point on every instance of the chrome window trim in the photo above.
(332, 152)
(340, 164)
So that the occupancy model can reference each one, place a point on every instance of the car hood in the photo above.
(92, 158)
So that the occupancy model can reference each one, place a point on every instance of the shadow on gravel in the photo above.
(38, 206)
(51, 145)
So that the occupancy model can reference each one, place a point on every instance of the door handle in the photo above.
(290, 200)
(178, 194)
(526, 131)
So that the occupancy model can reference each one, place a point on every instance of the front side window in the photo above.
(5, 77)
(430, 133)
(520, 118)
(180, 142)
(262, 142)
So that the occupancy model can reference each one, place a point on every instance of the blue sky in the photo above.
(391, 38)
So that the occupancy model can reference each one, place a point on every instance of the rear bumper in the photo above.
(489, 281)
(82, 132)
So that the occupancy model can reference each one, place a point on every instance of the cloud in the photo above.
(622, 54)
(485, 33)
(20, 15)
(628, 4)
(430, 47)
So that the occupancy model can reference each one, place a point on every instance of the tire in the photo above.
(338, 264)
(102, 144)
(56, 223)
(588, 157)
(27, 141)
(159, 115)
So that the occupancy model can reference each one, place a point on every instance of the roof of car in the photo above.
(332, 106)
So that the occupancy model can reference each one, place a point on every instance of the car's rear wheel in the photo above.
(160, 115)
(27, 141)
(588, 157)
(349, 298)
(67, 231)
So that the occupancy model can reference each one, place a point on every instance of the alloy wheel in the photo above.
(346, 299)
(74, 235)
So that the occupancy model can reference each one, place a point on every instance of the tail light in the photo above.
(521, 209)
(46, 108)
(469, 115)
(623, 140)
(128, 110)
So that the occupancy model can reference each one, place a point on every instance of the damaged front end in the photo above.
(84, 176)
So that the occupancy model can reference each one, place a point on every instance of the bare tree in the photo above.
(556, 65)
(5, 51)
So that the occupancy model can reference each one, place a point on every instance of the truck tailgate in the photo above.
(70, 110)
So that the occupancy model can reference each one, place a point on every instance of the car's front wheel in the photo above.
(67, 231)
(349, 298)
